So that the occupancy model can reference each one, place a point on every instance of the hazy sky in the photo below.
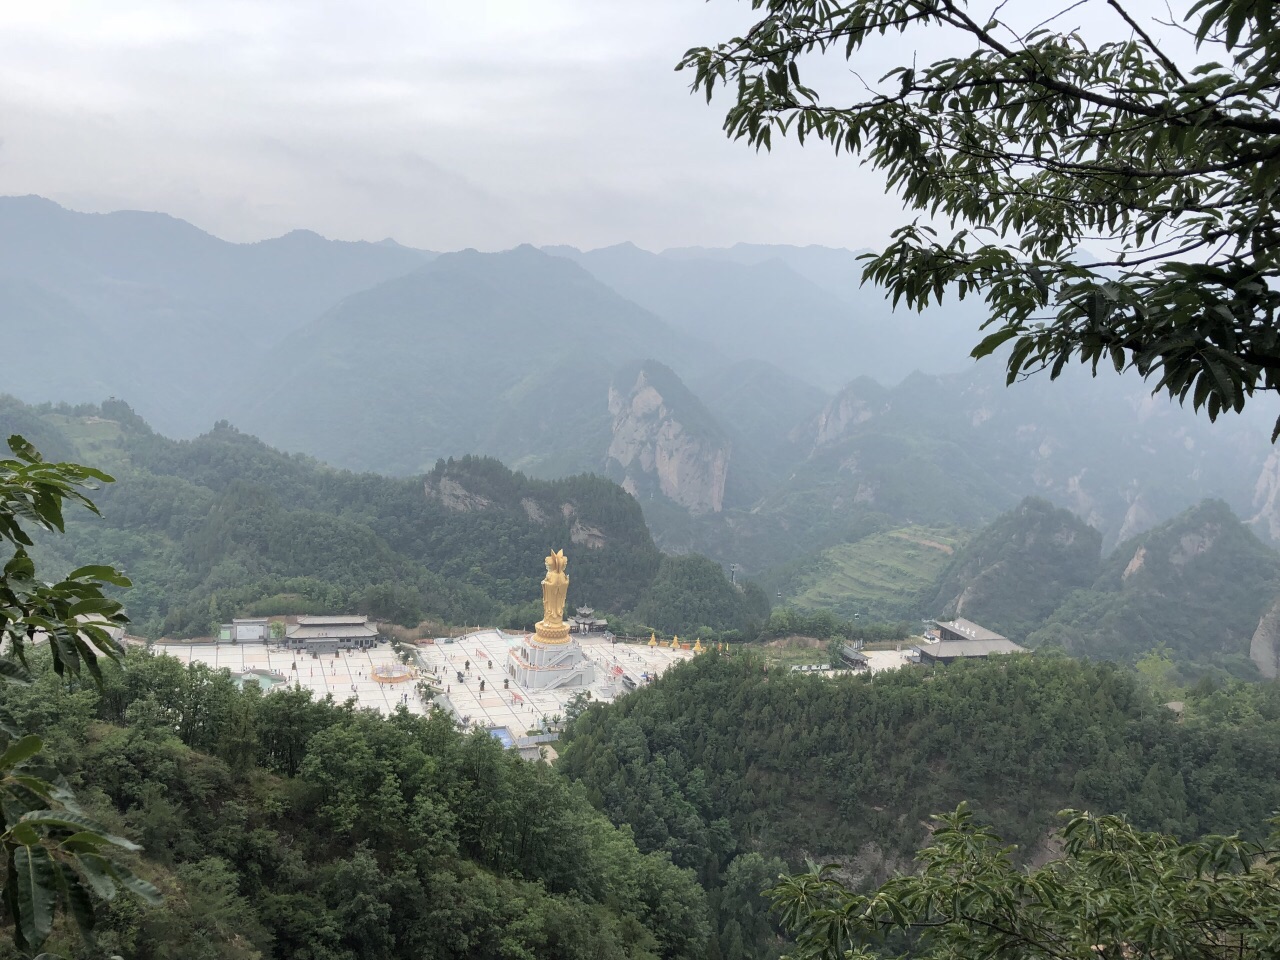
(443, 124)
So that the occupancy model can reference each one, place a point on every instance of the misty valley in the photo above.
(432, 424)
(848, 532)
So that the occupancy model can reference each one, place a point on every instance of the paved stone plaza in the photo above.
(880, 660)
(349, 674)
(515, 707)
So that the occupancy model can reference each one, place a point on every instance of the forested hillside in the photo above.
(1192, 591)
(223, 525)
(279, 826)
(1194, 587)
(1019, 569)
(880, 572)
(721, 759)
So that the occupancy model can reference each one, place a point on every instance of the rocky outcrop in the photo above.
(1193, 544)
(845, 411)
(455, 496)
(1266, 498)
(590, 537)
(1137, 519)
(653, 448)
(860, 401)
(1136, 564)
(1264, 648)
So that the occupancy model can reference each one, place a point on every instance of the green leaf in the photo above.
(85, 840)
(14, 672)
(100, 572)
(136, 885)
(24, 450)
(97, 870)
(23, 750)
(25, 834)
(992, 341)
(37, 786)
(77, 822)
(79, 901)
(91, 605)
(36, 894)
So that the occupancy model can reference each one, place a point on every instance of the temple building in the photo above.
(327, 635)
(550, 658)
(587, 622)
(962, 639)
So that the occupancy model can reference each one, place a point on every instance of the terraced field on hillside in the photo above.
(886, 576)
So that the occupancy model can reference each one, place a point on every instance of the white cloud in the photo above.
(483, 123)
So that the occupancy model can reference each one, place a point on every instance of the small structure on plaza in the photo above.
(251, 628)
(851, 656)
(549, 657)
(391, 673)
(247, 629)
(586, 621)
(327, 635)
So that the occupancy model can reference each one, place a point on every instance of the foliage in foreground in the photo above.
(1116, 893)
(53, 855)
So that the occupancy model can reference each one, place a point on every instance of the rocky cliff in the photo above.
(854, 405)
(1264, 648)
(664, 442)
(1266, 499)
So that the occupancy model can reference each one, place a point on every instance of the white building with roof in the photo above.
(322, 635)
(962, 639)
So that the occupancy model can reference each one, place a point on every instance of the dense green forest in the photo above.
(690, 592)
(223, 526)
(1191, 590)
(722, 758)
(282, 826)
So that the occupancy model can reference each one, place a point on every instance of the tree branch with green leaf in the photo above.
(1113, 893)
(53, 855)
(1039, 146)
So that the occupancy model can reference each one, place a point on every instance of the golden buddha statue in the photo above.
(555, 587)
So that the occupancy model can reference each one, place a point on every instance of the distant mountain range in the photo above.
(802, 309)
(157, 312)
(757, 401)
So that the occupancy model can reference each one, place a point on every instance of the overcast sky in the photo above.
(481, 123)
